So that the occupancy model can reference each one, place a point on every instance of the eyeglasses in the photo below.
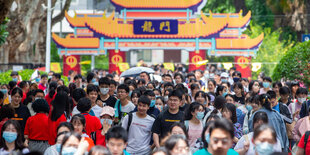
(223, 140)
(181, 149)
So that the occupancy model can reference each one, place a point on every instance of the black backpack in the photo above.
(130, 120)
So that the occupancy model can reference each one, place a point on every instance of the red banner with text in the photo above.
(71, 62)
(116, 57)
(243, 65)
(196, 59)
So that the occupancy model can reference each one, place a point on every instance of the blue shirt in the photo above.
(276, 121)
(277, 108)
(126, 153)
(205, 152)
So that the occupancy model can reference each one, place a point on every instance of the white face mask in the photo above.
(104, 91)
(166, 98)
(301, 100)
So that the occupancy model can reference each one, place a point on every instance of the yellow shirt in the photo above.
(6, 101)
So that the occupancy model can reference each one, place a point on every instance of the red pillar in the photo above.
(115, 57)
(194, 57)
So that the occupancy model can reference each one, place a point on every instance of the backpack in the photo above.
(186, 123)
(130, 120)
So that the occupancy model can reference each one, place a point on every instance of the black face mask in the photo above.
(236, 79)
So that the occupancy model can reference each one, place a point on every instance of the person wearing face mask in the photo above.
(305, 103)
(104, 84)
(224, 77)
(275, 120)
(62, 129)
(264, 139)
(252, 105)
(236, 75)
(11, 139)
(301, 127)
(295, 107)
(193, 122)
(138, 125)
(218, 138)
(73, 144)
(6, 98)
(266, 85)
(106, 119)
(160, 103)
(280, 107)
(152, 111)
(15, 77)
(91, 79)
(245, 145)
(92, 122)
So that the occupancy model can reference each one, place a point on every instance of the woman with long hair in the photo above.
(275, 121)
(21, 111)
(11, 140)
(51, 93)
(193, 122)
(57, 115)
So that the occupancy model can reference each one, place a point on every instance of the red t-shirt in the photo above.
(49, 100)
(37, 127)
(52, 126)
(92, 123)
(100, 139)
(301, 144)
(24, 97)
(41, 86)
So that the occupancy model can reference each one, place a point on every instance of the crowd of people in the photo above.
(166, 113)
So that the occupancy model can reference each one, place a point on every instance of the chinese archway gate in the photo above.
(158, 24)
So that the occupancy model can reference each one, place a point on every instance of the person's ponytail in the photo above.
(52, 89)
(266, 102)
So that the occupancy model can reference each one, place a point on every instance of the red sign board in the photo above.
(243, 65)
(194, 58)
(71, 62)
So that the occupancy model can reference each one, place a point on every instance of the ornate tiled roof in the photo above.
(156, 3)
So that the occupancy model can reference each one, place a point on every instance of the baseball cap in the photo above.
(14, 73)
(225, 75)
(107, 110)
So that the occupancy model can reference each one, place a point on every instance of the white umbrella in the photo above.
(135, 71)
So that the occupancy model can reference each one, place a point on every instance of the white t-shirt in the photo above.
(139, 135)
(128, 108)
(97, 110)
(251, 151)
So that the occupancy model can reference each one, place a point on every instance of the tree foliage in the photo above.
(271, 50)
(295, 65)
(3, 31)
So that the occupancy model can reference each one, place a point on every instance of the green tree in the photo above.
(271, 49)
(3, 31)
(295, 65)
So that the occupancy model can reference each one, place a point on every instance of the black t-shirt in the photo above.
(185, 107)
(165, 120)
(109, 102)
(239, 99)
(21, 115)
